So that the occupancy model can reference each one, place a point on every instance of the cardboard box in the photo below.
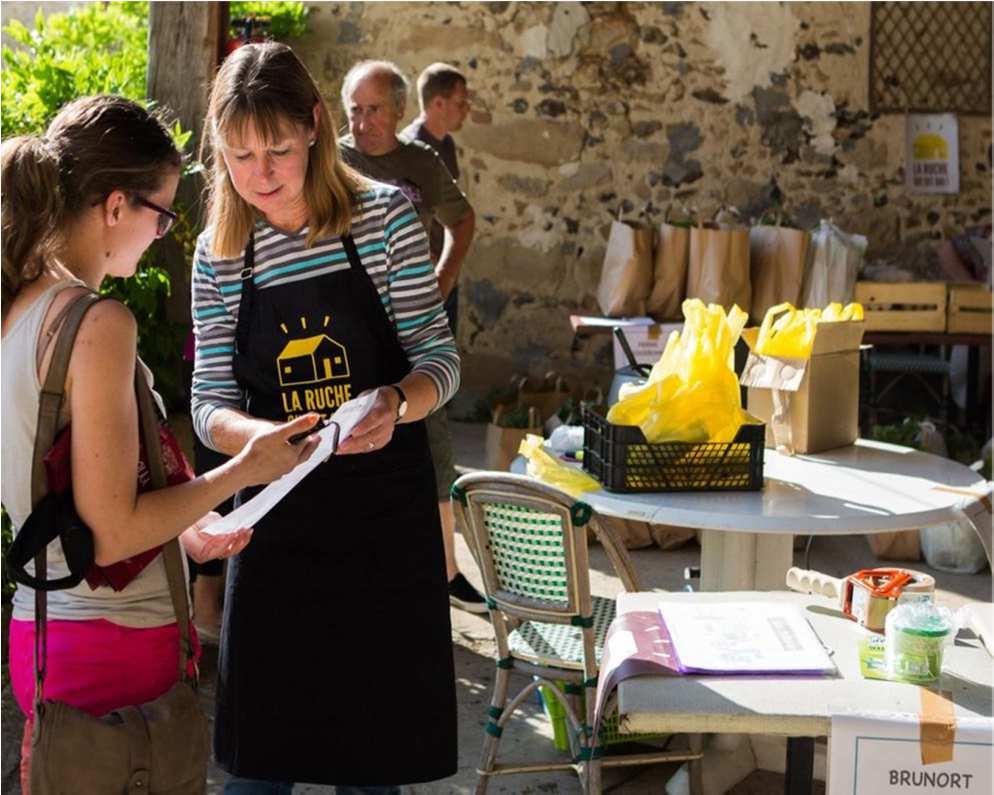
(819, 396)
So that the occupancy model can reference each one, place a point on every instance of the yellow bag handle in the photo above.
(835, 312)
(766, 328)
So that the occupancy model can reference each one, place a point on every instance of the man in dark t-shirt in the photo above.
(444, 101)
(374, 95)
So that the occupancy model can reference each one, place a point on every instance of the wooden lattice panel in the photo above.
(930, 57)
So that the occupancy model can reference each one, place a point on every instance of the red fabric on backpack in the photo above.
(59, 476)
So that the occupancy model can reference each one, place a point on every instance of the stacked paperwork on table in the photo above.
(743, 638)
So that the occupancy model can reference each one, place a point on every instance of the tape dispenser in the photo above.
(865, 596)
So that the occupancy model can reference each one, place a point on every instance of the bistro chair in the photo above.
(900, 372)
(530, 541)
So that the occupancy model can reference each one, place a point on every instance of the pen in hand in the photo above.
(297, 438)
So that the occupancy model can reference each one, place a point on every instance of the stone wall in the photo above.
(582, 111)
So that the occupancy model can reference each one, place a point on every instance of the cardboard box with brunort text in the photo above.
(808, 405)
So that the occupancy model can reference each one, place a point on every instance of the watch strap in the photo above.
(402, 406)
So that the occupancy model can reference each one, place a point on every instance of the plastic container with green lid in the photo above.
(915, 636)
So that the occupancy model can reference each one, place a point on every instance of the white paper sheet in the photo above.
(247, 514)
(730, 637)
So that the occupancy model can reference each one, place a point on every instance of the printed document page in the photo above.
(247, 514)
(731, 637)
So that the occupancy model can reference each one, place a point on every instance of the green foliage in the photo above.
(962, 445)
(160, 342)
(99, 49)
(517, 417)
(966, 447)
(286, 20)
(571, 412)
(906, 433)
(92, 49)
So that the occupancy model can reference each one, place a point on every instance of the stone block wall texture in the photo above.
(582, 111)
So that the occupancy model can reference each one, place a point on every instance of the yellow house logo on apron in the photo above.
(306, 367)
(311, 360)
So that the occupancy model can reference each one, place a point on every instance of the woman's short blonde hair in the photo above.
(266, 86)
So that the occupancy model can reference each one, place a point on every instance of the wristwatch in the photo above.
(402, 406)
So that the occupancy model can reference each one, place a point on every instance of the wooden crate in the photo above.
(969, 309)
(903, 306)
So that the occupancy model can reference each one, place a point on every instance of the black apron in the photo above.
(335, 664)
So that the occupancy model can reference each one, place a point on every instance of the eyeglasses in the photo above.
(166, 217)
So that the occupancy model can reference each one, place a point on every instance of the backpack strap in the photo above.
(148, 419)
(49, 406)
(54, 388)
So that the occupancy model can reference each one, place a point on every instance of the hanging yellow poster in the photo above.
(932, 153)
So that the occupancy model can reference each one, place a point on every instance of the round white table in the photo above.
(868, 487)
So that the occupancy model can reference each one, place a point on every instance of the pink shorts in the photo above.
(95, 665)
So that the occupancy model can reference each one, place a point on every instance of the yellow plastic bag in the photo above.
(692, 394)
(834, 312)
(792, 334)
(546, 468)
(787, 332)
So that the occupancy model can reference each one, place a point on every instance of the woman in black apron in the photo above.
(335, 662)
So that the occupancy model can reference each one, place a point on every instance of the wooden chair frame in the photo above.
(508, 610)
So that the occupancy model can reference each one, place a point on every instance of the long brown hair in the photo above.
(94, 146)
(266, 86)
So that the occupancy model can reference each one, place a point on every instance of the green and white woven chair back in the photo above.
(529, 555)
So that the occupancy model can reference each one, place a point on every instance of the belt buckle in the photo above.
(245, 274)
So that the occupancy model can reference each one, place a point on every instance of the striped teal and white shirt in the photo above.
(394, 250)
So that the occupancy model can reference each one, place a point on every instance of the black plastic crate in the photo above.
(622, 460)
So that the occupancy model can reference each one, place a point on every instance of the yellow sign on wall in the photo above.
(932, 147)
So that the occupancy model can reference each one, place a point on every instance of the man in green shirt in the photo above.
(374, 95)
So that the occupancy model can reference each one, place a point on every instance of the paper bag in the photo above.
(670, 537)
(898, 545)
(626, 277)
(718, 271)
(670, 260)
(632, 535)
(502, 443)
(777, 259)
(638, 535)
(834, 261)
